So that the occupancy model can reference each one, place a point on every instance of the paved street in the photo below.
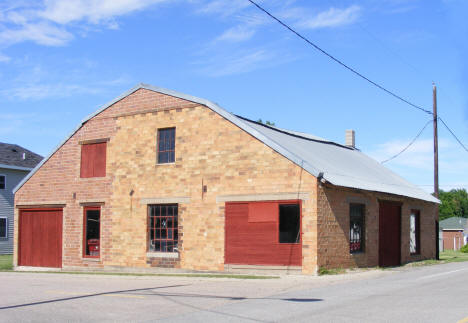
(425, 294)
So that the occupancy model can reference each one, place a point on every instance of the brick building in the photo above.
(454, 233)
(157, 178)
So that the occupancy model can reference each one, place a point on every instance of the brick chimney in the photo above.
(350, 139)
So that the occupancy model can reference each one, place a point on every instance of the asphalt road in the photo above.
(424, 294)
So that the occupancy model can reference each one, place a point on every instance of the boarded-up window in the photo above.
(93, 160)
(3, 228)
(414, 232)
(166, 146)
(2, 182)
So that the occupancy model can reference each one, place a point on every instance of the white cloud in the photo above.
(237, 34)
(332, 17)
(42, 33)
(242, 61)
(94, 11)
(416, 163)
(51, 22)
(42, 91)
(223, 7)
(4, 58)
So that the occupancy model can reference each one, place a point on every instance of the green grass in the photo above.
(332, 271)
(6, 262)
(453, 256)
(446, 256)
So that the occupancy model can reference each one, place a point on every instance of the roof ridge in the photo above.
(290, 133)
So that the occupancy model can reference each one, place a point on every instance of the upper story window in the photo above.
(166, 145)
(93, 160)
(356, 230)
(2, 182)
(414, 232)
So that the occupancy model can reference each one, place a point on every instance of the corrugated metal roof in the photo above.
(340, 165)
(453, 223)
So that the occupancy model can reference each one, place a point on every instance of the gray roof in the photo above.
(335, 163)
(453, 223)
(11, 156)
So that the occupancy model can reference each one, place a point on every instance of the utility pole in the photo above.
(436, 145)
(436, 163)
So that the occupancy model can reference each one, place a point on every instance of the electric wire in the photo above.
(338, 61)
(409, 145)
(361, 76)
(453, 134)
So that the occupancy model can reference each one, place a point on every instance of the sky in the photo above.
(61, 60)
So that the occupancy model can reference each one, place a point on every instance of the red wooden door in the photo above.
(389, 233)
(252, 236)
(40, 238)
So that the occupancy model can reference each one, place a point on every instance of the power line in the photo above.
(412, 142)
(454, 136)
(338, 61)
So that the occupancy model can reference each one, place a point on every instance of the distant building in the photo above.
(454, 233)
(15, 163)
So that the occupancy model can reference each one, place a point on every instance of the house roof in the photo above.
(334, 163)
(11, 156)
(453, 223)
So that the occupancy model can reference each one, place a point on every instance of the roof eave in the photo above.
(15, 167)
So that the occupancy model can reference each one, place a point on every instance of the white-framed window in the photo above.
(415, 245)
(2, 182)
(3, 227)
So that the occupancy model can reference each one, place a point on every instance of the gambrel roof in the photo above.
(331, 162)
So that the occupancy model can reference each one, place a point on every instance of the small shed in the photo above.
(454, 233)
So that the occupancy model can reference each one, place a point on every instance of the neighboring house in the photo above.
(454, 232)
(157, 178)
(15, 163)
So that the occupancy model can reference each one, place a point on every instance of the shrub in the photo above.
(464, 248)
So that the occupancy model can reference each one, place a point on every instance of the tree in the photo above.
(268, 123)
(453, 203)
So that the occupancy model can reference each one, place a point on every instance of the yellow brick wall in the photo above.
(211, 150)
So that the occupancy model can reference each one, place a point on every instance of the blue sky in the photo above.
(61, 60)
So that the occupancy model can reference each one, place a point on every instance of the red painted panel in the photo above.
(263, 212)
(389, 233)
(40, 238)
(93, 160)
(256, 243)
(100, 159)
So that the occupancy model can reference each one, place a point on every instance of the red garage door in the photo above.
(40, 238)
(389, 233)
(263, 233)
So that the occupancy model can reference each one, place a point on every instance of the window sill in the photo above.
(93, 177)
(91, 259)
(165, 164)
(162, 255)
